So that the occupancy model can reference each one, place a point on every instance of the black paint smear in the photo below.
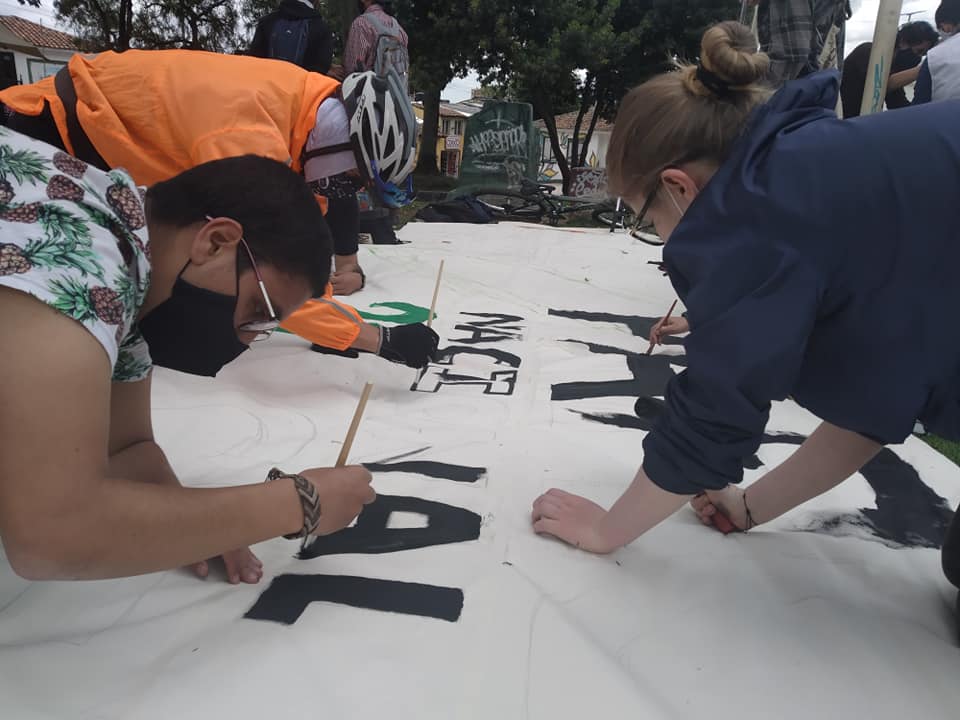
(444, 471)
(629, 422)
(446, 355)
(651, 374)
(908, 511)
(446, 524)
(638, 325)
(647, 411)
(289, 595)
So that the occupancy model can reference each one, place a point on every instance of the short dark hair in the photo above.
(948, 12)
(282, 222)
(919, 31)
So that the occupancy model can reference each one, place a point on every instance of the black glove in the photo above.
(412, 345)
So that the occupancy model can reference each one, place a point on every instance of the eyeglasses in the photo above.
(263, 328)
(638, 226)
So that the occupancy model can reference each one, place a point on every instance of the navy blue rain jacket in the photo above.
(821, 261)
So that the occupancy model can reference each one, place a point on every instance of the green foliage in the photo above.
(565, 55)
(214, 25)
(189, 24)
(950, 450)
(99, 24)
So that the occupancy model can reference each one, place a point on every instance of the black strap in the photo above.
(342, 147)
(713, 82)
(82, 147)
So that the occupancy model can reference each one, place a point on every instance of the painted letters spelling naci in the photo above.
(479, 332)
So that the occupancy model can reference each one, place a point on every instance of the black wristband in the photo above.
(309, 502)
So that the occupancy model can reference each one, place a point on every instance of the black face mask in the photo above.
(192, 331)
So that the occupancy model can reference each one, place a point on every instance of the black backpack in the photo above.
(463, 209)
(288, 40)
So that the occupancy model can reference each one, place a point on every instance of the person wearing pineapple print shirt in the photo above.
(211, 258)
(155, 113)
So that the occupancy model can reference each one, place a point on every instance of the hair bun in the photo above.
(729, 51)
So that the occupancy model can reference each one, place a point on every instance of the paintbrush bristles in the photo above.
(352, 432)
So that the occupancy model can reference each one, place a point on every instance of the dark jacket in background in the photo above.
(319, 54)
(855, 79)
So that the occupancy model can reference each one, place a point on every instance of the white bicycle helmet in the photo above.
(383, 133)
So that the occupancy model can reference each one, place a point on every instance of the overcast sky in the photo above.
(859, 29)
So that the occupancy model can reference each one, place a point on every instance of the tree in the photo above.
(446, 39)
(98, 24)
(602, 48)
(190, 24)
(152, 24)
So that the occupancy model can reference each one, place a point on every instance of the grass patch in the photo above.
(948, 449)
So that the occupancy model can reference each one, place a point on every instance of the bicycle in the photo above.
(533, 201)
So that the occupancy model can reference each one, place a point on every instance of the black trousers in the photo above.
(951, 551)
(343, 217)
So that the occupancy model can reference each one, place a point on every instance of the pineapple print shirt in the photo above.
(75, 238)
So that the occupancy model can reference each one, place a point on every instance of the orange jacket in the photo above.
(156, 113)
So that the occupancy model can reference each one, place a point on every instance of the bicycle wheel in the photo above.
(510, 206)
(646, 233)
(614, 218)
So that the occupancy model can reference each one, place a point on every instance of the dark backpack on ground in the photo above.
(463, 209)
(288, 39)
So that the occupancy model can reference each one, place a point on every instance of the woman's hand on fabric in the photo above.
(669, 326)
(571, 518)
(727, 502)
(241, 566)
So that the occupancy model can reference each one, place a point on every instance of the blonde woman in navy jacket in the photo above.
(811, 264)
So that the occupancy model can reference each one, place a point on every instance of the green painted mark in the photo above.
(406, 314)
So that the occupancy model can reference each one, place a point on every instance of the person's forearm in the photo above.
(903, 78)
(827, 458)
(143, 462)
(368, 339)
(128, 528)
(642, 506)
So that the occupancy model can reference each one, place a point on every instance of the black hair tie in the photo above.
(713, 82)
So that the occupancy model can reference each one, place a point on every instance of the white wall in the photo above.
(596, 155)
(41, 66)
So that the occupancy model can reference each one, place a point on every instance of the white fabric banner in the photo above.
(836, 610)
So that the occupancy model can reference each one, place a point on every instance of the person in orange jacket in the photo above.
(156, 113)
